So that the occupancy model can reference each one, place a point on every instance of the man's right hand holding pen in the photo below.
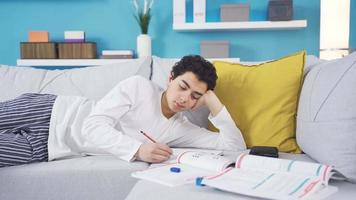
(153, 152)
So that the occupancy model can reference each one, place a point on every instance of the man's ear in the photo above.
(170, 78)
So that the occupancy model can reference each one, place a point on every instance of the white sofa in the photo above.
(93, 177)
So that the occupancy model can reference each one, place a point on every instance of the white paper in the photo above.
(284, 165)
(164, 176)
(192, 164)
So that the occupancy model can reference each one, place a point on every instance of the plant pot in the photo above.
(144, 46)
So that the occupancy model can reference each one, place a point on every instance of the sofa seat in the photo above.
(91, 177)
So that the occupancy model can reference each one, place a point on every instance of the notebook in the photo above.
(274, 178)
(179, 151)
(192, 164)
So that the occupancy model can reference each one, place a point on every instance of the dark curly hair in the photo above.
(203, 69)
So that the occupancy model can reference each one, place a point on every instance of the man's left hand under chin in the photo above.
(211, 101)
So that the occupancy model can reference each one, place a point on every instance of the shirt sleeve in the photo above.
(99, 126)
(228, 138)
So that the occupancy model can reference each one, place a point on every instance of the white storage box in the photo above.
(214, 49)
(234, 12)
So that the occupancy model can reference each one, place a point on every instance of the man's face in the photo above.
(184, 91)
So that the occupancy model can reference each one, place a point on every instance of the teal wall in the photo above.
(110, 23)
(353, 25)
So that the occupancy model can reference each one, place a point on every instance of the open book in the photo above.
(272, 178)
(179, 151)
(192, 164)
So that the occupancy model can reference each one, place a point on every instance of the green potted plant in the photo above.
(143, 18)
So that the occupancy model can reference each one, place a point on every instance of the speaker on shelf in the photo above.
(280, 10)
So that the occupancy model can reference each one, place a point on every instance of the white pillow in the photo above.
(19, 80)
(326, 120)
(310, 62)
(161, 69)
(91, 82)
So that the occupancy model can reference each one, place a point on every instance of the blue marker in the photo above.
(198, 181)
(175, 169)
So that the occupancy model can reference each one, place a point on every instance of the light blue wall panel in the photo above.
(110, 23)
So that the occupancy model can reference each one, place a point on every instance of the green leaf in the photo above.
(143, 20)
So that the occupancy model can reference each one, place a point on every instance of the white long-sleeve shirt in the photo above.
(112, 125)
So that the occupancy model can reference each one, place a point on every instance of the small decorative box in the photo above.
(214, 49)
(280, 10)
(38, 36)
(86, 50)
(234, 12)
(38, 50)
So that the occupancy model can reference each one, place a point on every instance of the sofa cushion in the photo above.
(161, 69)
(91, 82)
(19, 80)
(262, 99)
(326, 122)
(89, 178)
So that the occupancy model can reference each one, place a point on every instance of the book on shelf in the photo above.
(116, 56)
(74, 40)
(117, 52)
(178, 11)
(74, 36)
(199, 11)
(258, 176)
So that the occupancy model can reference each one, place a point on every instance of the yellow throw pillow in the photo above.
(262, 99)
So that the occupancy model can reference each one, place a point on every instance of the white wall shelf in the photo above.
(249, 25)
(67, 62)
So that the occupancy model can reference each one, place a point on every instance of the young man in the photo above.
(42, 127)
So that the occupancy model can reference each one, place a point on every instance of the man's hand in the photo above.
(211, 101)
(153, 152)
